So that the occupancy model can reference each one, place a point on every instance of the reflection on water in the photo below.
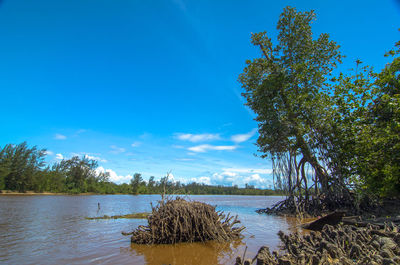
(53, 230)
(188, 253)
(294, 224)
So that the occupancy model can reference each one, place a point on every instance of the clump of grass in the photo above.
(126, 216)
(177, 220)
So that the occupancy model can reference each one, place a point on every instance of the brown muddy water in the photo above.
(53, 230)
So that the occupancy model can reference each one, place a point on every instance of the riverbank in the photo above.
(31, 193)
(28, 193)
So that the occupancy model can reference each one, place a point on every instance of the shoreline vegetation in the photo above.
(238, 192)
(23, 171)
(32, 193)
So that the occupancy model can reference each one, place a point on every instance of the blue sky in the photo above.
(151, 86)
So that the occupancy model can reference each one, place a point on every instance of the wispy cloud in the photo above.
(145, 136)
(136, 144)
(96, 158)
(178, 3)
(80, 131)
(249, 170)
(185, 159)
(177, 146)
(48, 152)
(58, 136)
(206, 147)
(239, 138)
(194, 138)
(116, 150)
(59, 156)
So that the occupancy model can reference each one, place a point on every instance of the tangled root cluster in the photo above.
(337, 245)
(177, 220)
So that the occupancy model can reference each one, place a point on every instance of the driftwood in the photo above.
(330, 219)
(177, 220)
(358, 221)
(343, 244)
(363, 222)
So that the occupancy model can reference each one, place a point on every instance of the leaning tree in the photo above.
(288, 88)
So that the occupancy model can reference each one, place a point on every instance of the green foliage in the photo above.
(19, 166)
(136, 182)
(365, 147)
(380, 166)
(347, 123)
(79, 173)
(22, 168)
(283, 87)
(347, 128)
(287, 89)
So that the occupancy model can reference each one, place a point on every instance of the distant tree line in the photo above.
(164, 185)
(23, 168)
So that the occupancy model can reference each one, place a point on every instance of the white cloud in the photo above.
(58, 136)
(136, 144)
(117, 150)
(96, 158)
(204, 180)
(114, 177)
(231, 178)
(205, 147)
(255, 178)
(229, 174)
(48, 152)
(239, 138)
(59, 156)
(194, 138)
(171, 177)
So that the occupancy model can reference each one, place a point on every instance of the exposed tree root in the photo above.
(320, 205)
(177, 220)
(335, 245)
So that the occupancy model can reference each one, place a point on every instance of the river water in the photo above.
(53, 230)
